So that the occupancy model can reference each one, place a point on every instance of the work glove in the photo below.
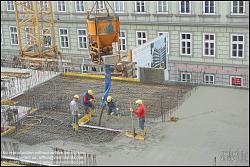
(131, 109)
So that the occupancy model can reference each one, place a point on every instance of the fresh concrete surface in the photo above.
(214, 122)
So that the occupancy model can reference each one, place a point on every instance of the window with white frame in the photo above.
(185, 43)
(123, 40)
(44, 5)
(236, 80)
(10, 5)
(140, 6)
(162, 6)
(82, 38)
(141, 37)
(237, 46)
(237, 7)
(208, 78)
(208, 44)
(100, 4)
(167, 40)
(28, 32)
(185, 77)
(185, 7)
(13, 36)
(1, 36)
(61, 6)
(46, 37)
(100, 69)
(79, 6)
(119, 6)
(66, 69)
(208, 7)
(64, 37)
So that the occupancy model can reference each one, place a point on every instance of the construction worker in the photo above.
(140, 113)
(111, 106)
(74, 109)
(88, 99)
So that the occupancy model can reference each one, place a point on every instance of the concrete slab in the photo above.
(214, 122)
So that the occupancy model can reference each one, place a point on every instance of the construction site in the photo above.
(185, 123)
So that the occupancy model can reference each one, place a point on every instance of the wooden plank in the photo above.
(137, 136)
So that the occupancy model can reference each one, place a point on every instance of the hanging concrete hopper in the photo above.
(103, 30)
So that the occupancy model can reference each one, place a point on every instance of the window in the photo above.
(236, 80)
(85, 68)
(100, 69)
(82, 38)
(185, 44)
(237, 7)
(167, 43)
(140, 6)
(208, 44)
(237, 46)
(28, 32)
(46, 38)
(79, 6)
(100, 4)
(66, 69)
(162, 6)
(123, 40)
(208, 7)
(185, 77)
(119, 6)
(185, 7)
(13, 36)
(209, 78)
(64, 38)
(141, 37)
(44, 5)
(61, 7)
(10, 5)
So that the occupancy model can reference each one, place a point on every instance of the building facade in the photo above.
(208, 40)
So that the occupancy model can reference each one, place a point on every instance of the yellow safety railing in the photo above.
(72, 74)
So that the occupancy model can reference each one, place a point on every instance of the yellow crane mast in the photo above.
(36, 34)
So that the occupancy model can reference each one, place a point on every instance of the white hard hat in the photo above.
(90, 92)
(76, 97)
(139, 101)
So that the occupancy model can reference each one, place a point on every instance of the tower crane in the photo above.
(36, 35)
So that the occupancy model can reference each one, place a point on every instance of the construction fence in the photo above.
(12, 154)
(12, 86)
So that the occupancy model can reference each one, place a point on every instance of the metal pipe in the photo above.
(99, 127)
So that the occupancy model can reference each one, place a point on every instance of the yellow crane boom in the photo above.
(36, 31)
